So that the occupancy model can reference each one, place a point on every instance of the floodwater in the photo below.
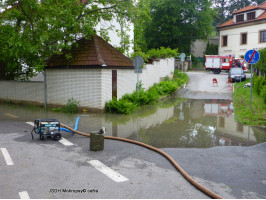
(171, 123)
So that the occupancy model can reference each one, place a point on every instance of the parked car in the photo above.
(236, 75)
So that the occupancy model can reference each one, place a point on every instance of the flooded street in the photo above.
(194, 117)
(173, 122)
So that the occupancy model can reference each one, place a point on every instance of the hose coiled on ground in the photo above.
(174, 163)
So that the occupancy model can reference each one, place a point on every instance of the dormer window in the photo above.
(240, 18)
(251, 15)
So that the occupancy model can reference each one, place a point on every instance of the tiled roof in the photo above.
(248, 8)
(95, 52)
(263, 5)
(251, 7)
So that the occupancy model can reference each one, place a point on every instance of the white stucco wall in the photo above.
(106, 84)
(22, 91)
(127, 79)
(91, 87)
(126, 82)
(234, 46)
(82, 84)
(198, 47)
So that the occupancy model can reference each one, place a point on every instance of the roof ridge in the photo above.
(100, 59)
(94, 51)
(262, 5)
(249, 7)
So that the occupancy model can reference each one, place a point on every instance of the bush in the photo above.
(163, 53)
(72, 106)
(254, 77)
(254, 116)
(130, 102)
(180, 77)
(259, 82)
(140, 53)
(122, 106)
(166, 87)
(211, 49)
(263, 93)
(156, 53)
(261, 64)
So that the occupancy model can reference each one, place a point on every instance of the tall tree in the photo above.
(222, 7)
(140, 21)
(33, 30)
(177, 23)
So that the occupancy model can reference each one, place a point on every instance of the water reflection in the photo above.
(173, 122)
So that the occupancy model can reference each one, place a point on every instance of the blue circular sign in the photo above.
(252, 56)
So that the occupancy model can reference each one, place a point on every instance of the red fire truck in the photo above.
(217, 63)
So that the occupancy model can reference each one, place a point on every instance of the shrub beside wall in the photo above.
(131, 102)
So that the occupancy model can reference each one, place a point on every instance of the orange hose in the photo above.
(174, 163)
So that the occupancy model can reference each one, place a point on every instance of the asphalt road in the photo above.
(48, 169)
(201, 86)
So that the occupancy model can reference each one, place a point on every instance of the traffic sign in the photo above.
(182, 56)
(252, 56)
(138, 61)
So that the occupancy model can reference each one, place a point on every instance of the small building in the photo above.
(94, 74)
(247, 30)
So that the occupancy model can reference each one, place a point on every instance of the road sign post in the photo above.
(182, 58)
(138, 61)
(251, 57)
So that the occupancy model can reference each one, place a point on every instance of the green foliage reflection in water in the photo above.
(131, 102)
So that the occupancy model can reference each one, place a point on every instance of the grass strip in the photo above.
(256, 116)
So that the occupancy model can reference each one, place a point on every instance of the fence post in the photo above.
(45, 90)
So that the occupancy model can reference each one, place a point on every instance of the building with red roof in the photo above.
(245, 31)
(93, 72)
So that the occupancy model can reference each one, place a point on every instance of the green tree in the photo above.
(211, 49)
(33, 30)
(261, 64)
(140, 21)
(222, 11)
(177, 23)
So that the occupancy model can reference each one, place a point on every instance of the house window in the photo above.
(251, 15)
(240, 18)
(224, 41)
(263, 36)
(243, 39)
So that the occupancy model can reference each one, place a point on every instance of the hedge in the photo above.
(262, 62)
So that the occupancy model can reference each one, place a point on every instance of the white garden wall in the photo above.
(151, 74)
(22, 91)
(84, 85)
(91, 87)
